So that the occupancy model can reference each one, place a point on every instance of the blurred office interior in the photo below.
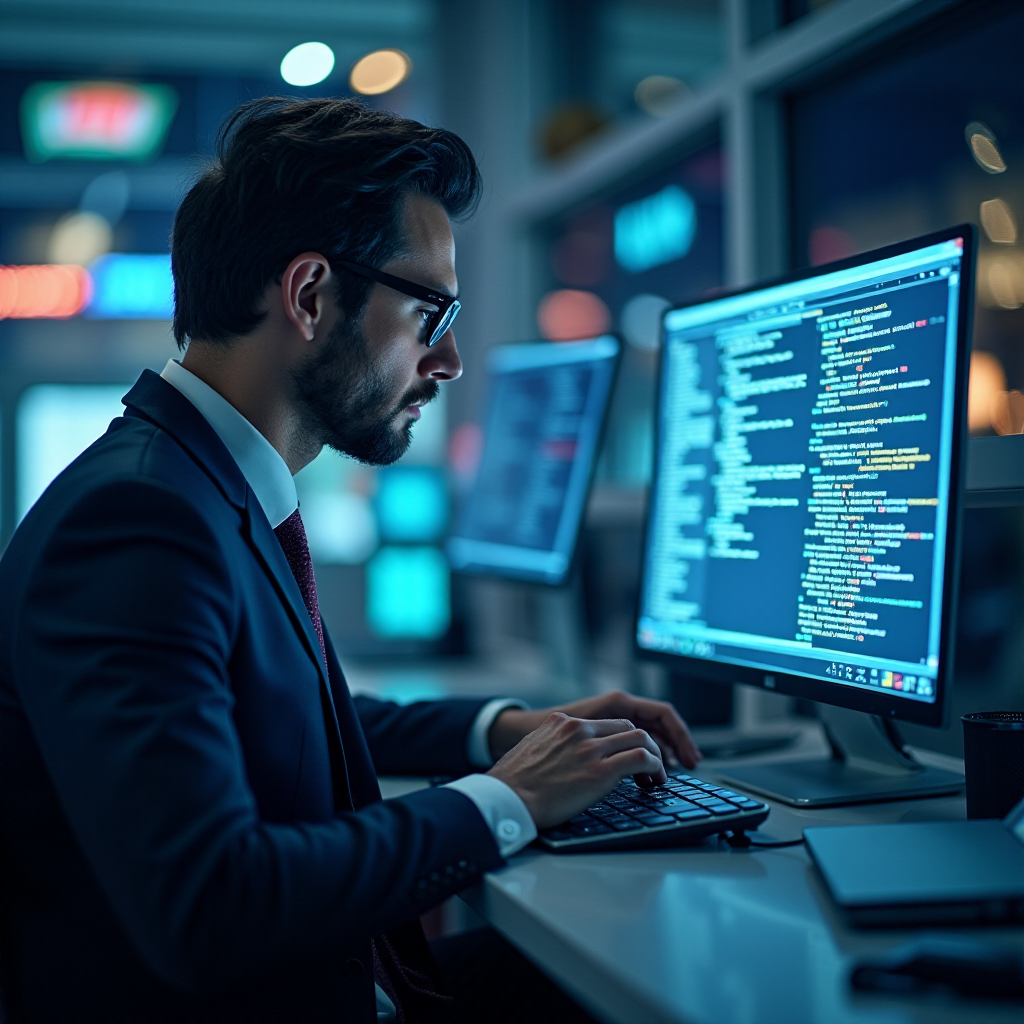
(636, 154)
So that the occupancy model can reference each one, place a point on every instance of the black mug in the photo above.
(993, 762)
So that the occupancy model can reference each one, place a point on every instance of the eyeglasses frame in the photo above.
(448, 306)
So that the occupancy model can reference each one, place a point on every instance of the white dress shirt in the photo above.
(268, 476)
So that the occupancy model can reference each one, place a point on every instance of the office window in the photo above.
(616, 264)
(55, 423)
(927, 134)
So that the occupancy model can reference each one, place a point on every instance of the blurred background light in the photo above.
(655, 230)
(984, 147)
(464, 451)
(79, 238)
(54, 424)
(95, 120)
(131, 286)
(1008, 412)
(659, 94)
(47, 291)
(411, 503)
(407, 593)
(307, 64)
(379, 72)
(1001, 279)
(829, 243)
(569, 314)
(107, 196)
(987, 381)
(640, 321)
(998, 221)
(340, 526)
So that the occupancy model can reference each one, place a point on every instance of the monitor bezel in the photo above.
(531, 578)
(839, 694)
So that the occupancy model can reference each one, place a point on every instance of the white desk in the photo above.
(713, 935)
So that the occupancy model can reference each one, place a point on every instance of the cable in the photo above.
(742, 841)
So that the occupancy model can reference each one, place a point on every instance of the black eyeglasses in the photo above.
(447, 305)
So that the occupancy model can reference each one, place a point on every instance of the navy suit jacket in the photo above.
(190, 823)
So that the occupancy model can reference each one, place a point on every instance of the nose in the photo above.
(442, 362)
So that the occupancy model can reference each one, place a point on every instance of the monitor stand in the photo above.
(869, 764)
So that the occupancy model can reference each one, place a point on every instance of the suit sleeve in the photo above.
(124, 633)
(425, 738)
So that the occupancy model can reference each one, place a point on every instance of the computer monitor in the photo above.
(804, 512)
(545, 408)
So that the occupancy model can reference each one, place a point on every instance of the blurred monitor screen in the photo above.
(546, 405)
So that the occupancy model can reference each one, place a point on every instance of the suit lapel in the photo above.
(154, 399)
(271, 556)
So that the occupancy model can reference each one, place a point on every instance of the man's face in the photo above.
(360, 393)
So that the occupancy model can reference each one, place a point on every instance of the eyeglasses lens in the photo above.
(445, 323)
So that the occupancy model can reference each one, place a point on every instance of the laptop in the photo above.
(925, 873)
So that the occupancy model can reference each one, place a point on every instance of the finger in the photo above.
(610, 726)
(608, 745)
(663, 719)
(638, 762)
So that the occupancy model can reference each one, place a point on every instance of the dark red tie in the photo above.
(397, 978)
(292, 535)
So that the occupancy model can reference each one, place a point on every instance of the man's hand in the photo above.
(566, 764)
(657, 717)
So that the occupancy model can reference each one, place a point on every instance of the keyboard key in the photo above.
(722, 808)
(746, 803)
(626, 825)
(671, 806)
(596, 829)
(581, 819)
(692, 815)
(652, 820)
(703, 801)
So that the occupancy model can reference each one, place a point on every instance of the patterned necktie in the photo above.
(292, 535)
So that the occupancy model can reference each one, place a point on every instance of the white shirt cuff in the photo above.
(479, 747)
(503, 810)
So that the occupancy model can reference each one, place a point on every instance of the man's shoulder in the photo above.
(134, 454)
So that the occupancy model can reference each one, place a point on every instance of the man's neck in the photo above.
(242, 373)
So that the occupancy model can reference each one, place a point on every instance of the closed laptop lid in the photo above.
(928, 862)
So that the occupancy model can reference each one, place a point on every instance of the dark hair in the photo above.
(292, 176)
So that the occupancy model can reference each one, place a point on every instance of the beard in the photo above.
(347, 403)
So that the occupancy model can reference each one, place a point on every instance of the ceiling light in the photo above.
(79, 238)
(658, 94)
(380, 72)
(307, 64)
(999, 223)
(984, 148)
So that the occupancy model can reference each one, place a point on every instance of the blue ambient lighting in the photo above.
(412, 503)
(655, 230)
(131, 286)
(407, 593)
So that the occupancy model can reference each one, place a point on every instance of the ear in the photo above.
(302, 291)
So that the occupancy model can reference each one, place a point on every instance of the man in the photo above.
(190, 823)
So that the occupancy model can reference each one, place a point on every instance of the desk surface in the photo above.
(712, 934)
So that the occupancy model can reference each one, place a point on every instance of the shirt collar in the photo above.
(260, 462)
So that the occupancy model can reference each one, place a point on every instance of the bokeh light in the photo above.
(307, 64)
(380, 72)
(408, 593)
(641, 321)
(998, 221)
(659, 94)
(45, 291)
(984, 148)
(79, 238)
(569, 315)
(987, 381)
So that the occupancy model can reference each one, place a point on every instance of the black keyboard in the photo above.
(683, 811)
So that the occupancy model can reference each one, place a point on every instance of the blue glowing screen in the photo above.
(412, 503)
(407, 593)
